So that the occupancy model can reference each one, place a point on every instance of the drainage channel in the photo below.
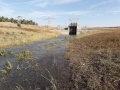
(49, 70)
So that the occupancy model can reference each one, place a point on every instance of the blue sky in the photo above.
(90, 12)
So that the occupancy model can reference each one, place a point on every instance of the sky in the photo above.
(93, 13)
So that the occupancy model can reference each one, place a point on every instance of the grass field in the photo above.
(95, 61)
(10, 36)
(26, 27)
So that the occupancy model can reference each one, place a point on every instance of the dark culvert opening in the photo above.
(73, 29)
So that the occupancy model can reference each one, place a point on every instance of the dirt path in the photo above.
(50, 64)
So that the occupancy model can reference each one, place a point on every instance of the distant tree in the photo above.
(0, 19)
(23, 21)
(6, 19)
(12, 20)
(30, 22)
(36, 24)
(15, 21)
(3, 20)
(33, 23)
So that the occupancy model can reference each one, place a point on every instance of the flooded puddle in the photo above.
(48, 70)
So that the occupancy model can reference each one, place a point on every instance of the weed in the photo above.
(22, 33)
(8, 33)
(3, 53)
(51, 80)
(10, 52)
(25, 55)
(19, 25)
(7, 69)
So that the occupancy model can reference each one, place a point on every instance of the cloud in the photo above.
(38, 3)
(45, 3)
(8, 10)
(65, 1)
(71, 12)
(113, 12)
(38, 14)
(103, 3)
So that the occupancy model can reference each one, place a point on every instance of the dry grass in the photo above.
(16, 36)
(95, 61)
(26, 27)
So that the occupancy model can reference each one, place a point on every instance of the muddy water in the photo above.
(50, 65)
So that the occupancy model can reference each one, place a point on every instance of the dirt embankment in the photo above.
(95, 62)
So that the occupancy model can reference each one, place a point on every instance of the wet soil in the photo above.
(50, 64)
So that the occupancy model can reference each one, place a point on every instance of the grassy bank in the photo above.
(25, 27)
(16, 36)
(95, 61)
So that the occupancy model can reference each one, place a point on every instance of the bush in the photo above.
(19, 25)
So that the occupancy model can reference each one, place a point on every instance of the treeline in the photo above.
(12, 20)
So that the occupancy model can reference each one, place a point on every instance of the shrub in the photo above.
(19, 25)
(7, 68)
(25, 55)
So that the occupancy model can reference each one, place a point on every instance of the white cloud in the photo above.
(71, 12)
(38, 14)
(103, 3)
(113, 12)
(39, 3)
(8, 11)
(44, 3)
(65, 1)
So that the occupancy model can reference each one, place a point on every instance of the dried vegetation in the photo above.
(95, 61)
(11, 35)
